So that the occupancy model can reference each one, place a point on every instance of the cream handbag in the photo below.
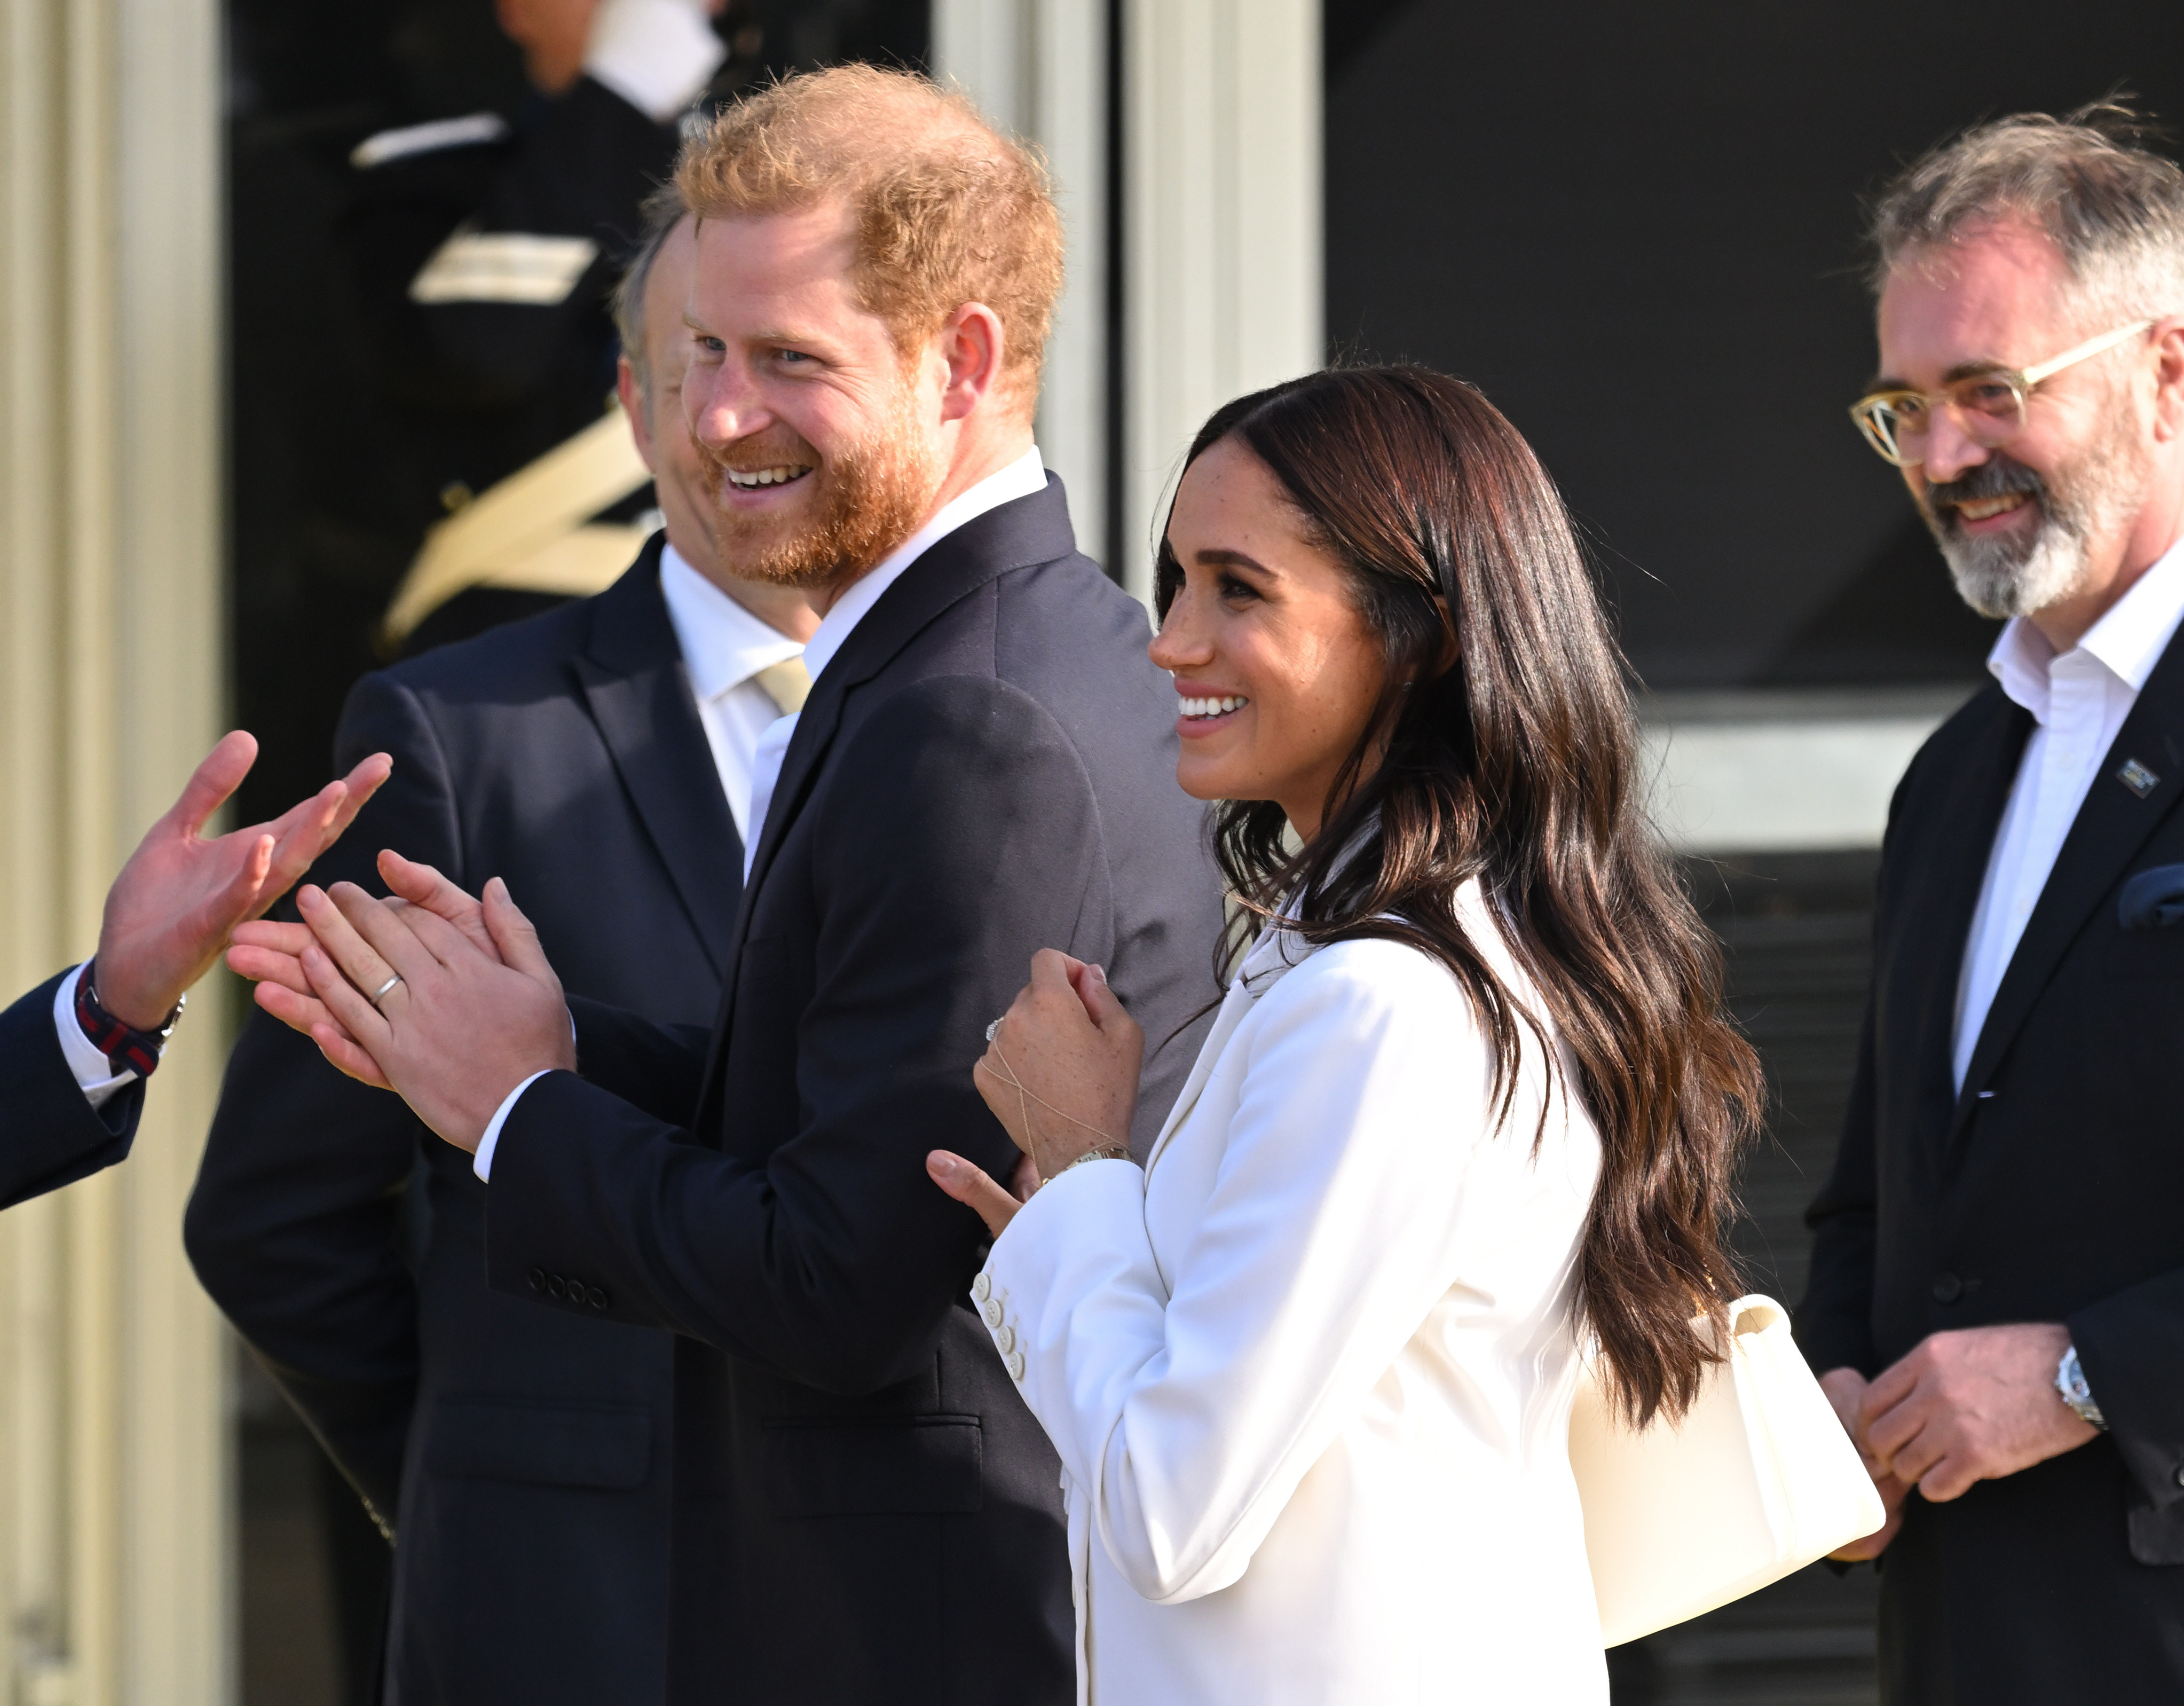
(1756, 1481)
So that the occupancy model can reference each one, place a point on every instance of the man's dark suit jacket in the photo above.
(49, 1135)
(2052, 1189)
(523, 1458)
(867, 1513)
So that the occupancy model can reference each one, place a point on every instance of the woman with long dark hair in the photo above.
(1469, 1109)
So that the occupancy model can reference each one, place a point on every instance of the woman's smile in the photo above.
(1204, 710)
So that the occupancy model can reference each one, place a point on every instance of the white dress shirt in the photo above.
(2079, 702)
(1020, 479)
(724, 647)
(1310, 1372)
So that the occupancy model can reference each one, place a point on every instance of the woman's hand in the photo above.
(1060, 1069)
(973, 1187)
(1061, 1074)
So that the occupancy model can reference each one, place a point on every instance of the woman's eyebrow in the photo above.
(1218, 557)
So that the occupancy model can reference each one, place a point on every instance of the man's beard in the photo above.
(870, 497)
(2017, 573)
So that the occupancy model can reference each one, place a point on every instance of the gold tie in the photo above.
(787, 683)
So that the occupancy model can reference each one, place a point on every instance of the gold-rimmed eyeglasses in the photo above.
(1989, 405)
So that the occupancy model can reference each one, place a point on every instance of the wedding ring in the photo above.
(384, 988)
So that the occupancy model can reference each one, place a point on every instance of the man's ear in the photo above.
(2168, 379)
(972, 344)
(636, 407)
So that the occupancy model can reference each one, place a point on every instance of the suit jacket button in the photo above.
(539, 1279)
(1007, 1339)
(556, 1286)
(1015, 1365)
(982, 1288)
(1947, 1288)
(992, 1313)
(2180, 1477)
(596, 1298)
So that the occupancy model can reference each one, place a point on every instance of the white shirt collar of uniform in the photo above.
(723, 644)
(2127, 642)
(1022, 478)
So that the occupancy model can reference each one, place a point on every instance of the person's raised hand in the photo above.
(178, 900)
(1060, 1068)
(453, 1029)
(1968, 1406)
(1845, 1392)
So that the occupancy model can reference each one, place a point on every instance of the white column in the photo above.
(1039, 68)
(176, 1628)
(1222, 233)
(114, 1531)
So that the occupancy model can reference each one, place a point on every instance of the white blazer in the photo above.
(1310, 1372)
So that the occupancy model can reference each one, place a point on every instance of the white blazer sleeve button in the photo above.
(1016, 1366)
(1007, 1339)
(992, 1312)
(982, 1288)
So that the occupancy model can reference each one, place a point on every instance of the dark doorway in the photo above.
(1638, 228)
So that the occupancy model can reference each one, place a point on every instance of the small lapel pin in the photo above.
(2137, 777)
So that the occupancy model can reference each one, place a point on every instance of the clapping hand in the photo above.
(179, 898)
(447, 1000)
(1061, 1074)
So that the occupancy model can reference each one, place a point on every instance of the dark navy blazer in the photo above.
(522, 1458)
(2050, 1189)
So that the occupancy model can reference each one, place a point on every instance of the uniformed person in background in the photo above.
(483, 253)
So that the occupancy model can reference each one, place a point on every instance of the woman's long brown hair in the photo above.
(1515, 765)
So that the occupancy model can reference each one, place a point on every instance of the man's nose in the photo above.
(719, 404)
(1950, 450)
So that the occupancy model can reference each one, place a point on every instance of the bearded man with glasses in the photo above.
(1997, 1304)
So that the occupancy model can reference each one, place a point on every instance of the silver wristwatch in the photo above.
(2070, 1385)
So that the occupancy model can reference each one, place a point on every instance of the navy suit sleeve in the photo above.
(657, 1068)
(1835, 1322)
(50, 1134)
(820, 1249)
(298, 1225)
(2132, 1347)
